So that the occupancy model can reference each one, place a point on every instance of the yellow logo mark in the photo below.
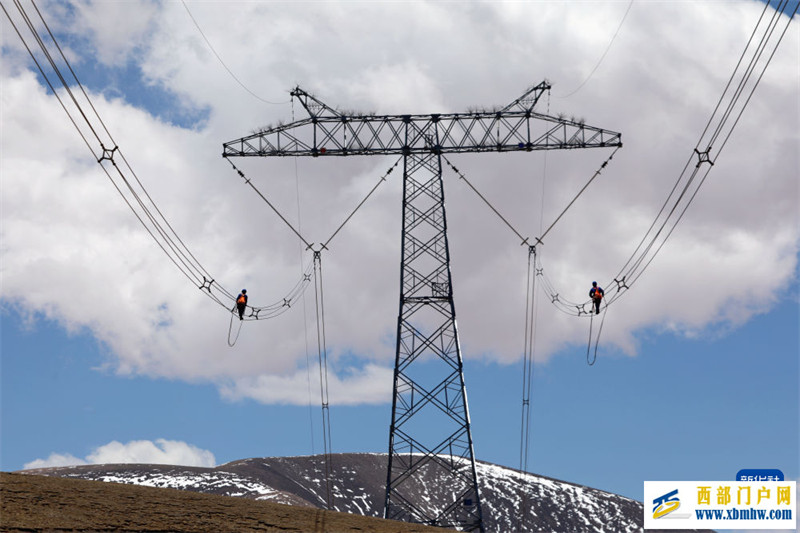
(666, 508)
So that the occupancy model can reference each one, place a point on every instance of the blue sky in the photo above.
(684, 409)
(102, 341)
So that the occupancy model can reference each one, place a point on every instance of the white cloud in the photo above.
(162, 451)
(369, 385)
(54, 460)
(116, 30)
(73, 252)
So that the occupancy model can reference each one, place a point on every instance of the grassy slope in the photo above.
(39, 503)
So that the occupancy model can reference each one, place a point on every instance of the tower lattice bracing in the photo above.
(430, 440)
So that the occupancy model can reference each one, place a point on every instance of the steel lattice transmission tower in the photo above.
(429, 438)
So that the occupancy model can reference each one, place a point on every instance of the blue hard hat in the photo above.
(594, 283)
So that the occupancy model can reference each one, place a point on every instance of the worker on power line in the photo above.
(596, 294)
(241, 303)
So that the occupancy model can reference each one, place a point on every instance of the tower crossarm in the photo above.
(515, 127)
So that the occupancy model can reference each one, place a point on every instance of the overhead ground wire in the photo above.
(602, 57)
(214, 51)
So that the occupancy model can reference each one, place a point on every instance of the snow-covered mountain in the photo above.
(358, 484)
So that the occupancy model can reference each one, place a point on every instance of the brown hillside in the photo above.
(40, 503)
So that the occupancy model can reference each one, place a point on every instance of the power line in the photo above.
(323, 375)
(686, 187)
(602, 57)
(107, 155)
(528, 360)
(131, 189)
(305, 310)
(703, 152)
(211, 47)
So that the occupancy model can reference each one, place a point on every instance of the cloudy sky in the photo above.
(110, 354)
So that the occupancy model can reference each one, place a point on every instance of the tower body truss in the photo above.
(430, 441)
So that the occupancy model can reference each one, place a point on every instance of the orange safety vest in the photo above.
(241, 299)
(597, 294)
